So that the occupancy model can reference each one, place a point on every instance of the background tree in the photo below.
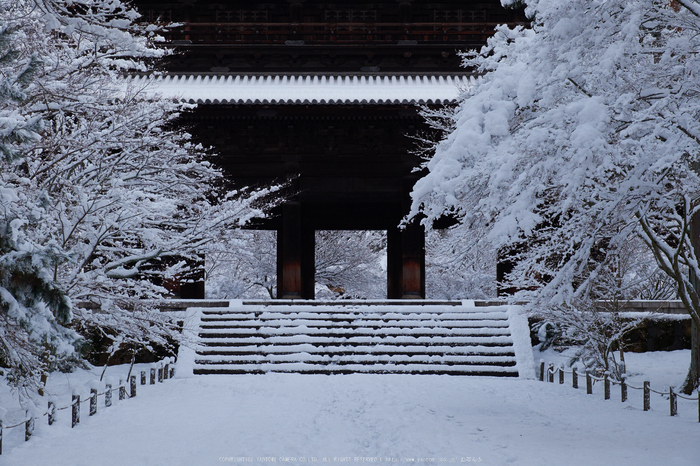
(582, 133)
(459, 267)
(348, 265)
(243, 264)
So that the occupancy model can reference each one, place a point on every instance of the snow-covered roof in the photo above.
(309, 90)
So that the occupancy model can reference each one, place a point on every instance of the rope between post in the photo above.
(16, 425)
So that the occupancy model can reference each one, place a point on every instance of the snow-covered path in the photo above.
(399, 418)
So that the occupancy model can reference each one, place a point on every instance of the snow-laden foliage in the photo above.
(106, 185)
(348, 264)
(32, 306)
(583, 131)
(243, 264)
(458, 267)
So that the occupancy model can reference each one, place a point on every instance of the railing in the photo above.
(331, 33)
(551, 370)
(159, 371)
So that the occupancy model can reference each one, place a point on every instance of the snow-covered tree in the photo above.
(596, 322)
(457, 267)
(115, 187)
(349, 264)
(583, 131)
(32, 306)
(243, 264)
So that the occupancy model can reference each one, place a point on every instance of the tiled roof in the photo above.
(308, 90)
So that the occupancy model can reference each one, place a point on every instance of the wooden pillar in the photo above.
(412, 255)
(413, 242)
(289, 253)
(295, 255)
(406, 262)
(394, 264)
(308, 262)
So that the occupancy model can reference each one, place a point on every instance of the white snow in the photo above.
(307, 89)
(295, 419)
(298, 419)
(520, 332)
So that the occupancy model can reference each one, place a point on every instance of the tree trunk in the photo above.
(45, 371)
(131, 366)
(692, 380)
(693, 377)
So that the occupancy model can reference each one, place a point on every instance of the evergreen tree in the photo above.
(33, 308)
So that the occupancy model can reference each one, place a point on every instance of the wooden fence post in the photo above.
(172, 371)
(541, 370)
(143, 377)
(153, 375)
(3, 411)
(673, 402)
(29, 425)
(122, 390)
(133, 386)
(160, 373)
(550, 372)
(589, 383)
(647, 396)
(606, 382)
(108, 395)
(561, 374)
(623, 388)
(52, 411)
(574, 377)
(93, 401)
(166, 370)
(75, 418)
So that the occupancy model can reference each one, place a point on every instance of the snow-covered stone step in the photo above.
(226, 314)
(370, 338)
(352, 323)
(359, 340)
(360, 358)
(358, 349)
(374, 368)
(358, 332)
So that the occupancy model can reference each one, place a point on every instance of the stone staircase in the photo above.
(397, 337)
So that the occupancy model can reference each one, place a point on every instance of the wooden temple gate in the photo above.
(324, 95)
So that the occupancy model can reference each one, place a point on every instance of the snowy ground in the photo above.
(297, 419)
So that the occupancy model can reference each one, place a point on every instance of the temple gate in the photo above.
(325, 96)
